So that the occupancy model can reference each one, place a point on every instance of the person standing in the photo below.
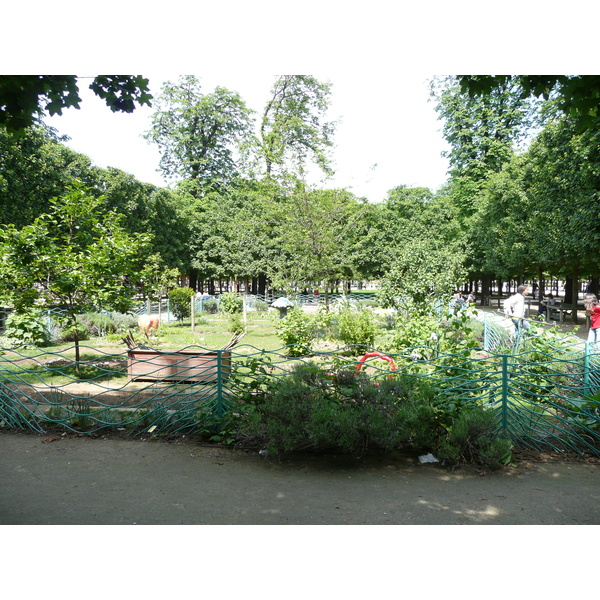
(514, 308)
(590, 303)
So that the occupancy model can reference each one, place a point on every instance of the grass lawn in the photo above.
(212, 331)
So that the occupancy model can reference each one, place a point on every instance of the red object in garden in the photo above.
(376, 355)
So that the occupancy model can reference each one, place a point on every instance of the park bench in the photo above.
(563, 310)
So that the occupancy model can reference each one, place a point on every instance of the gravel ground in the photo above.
(70, 480)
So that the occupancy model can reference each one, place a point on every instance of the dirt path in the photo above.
(75, 480)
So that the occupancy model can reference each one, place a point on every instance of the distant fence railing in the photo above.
(207, 303)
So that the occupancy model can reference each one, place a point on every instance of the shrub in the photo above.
(123, 322)
(77, 331)
(473, 438)
(99, 324)
(296, 330)
(180, 300)
(357, 328)
(325, 324)
(236, 324)
(231, 303)
(210, 306)
(313, 409)
(411, 331)
(27, 327)
(261, 306)
(371, 303)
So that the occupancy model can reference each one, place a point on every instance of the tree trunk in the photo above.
(262, 285)
(568, 299)
(575, 292)
(486, 281)
(193, 275)
(542, 288)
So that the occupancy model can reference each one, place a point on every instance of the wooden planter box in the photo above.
(185, 365)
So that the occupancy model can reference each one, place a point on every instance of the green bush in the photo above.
(261, 306)
(180, 301)
(210, 306)
(236, 324)
(473, 438)
(75, 332)
(99, 324)
(357, 328)
(297, 331)
(411, 331)
(27, 328)
(231, 303)
(317, 410)
(123, 322)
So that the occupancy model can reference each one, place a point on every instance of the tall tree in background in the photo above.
(292, 129)
(484, 133)
(564, 186)
(315, 233)
(35, 167)
(197, 134)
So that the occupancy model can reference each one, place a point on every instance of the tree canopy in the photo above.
(24, 99)
(197, 133)
(577, 96)
(292, 127)
(519, 201)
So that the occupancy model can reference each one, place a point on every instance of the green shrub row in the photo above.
(314, 410)
(300, 330)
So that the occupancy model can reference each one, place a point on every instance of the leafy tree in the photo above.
(169, 225)
(126, 195)
(207, 242)
(484, 133)
(292, 126)
(423, 271)
(197, 133)
(249, 227)
(25, 98)
(537, 214)
(34, 168)
(578, 96)
(563, 179)
(501, 229)
(315, 229)
(407, 214)
(181, 302)
(158, 278)
(484, 130)
(77, 258)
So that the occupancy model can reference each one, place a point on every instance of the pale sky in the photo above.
(388, 132)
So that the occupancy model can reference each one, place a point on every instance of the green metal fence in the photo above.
(543, 398)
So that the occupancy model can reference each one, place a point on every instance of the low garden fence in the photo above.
(543, 399)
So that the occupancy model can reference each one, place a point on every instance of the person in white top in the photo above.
(514, 308)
